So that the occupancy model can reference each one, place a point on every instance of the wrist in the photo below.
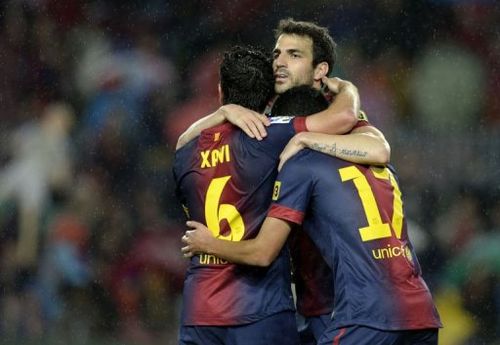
(344, 85)
(222, 113)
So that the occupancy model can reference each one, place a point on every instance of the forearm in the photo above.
(214, 119)
(246, 252)
(342, 114)
(363, 148)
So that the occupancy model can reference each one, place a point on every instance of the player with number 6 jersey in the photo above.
(234, 176)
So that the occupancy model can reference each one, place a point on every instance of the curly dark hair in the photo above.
(300, 100)
(324, 47)
(246, 77)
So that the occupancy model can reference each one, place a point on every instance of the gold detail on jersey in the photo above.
(362, 116)
(210, 158)
(376, 228)
(207, 259)
(217, 136)
(276, 190)
(215, 212)
(186, 211)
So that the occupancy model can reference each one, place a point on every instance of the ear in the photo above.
(320, 71)
(221, 95)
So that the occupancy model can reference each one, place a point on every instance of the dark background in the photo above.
(132, 75)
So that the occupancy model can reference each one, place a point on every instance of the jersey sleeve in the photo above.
(292, 190)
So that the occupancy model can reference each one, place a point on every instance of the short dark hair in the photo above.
(246, 77)
(299, 101)
(324, 47)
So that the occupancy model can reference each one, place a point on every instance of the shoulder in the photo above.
(304, 162)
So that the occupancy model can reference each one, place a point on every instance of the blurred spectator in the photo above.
(203, 98)
(41, 164)
(448, 86)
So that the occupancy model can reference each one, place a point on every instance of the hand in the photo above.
(335, 84)
(197, 240)
(250, 122)
(294, 145)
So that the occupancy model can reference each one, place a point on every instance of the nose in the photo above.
(279, 61)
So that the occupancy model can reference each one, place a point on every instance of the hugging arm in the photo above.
(259, 251)
(364, 145)
(251, 122)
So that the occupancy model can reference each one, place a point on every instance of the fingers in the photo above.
(193, 224)
(186, 252)
(264, 119)
(254, 126)
(283, 159)
(252, 130)
(280, 165)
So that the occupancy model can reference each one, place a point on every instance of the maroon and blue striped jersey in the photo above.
(225, 180)
(356, 220)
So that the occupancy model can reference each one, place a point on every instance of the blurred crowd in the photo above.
(93, 96)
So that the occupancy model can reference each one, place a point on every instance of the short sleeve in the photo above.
(293, 189)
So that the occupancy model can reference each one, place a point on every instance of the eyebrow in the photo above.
(289, 51)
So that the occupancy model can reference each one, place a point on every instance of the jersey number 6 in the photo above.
(215, 212)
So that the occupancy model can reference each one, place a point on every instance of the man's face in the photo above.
(292, 62)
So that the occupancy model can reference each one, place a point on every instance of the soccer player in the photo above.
(312, 276)
(354, 214)
(225, 178)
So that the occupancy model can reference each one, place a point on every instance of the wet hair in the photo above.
(299, 101)
(246, 77)
(324, 47)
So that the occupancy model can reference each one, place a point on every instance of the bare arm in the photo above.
(259, 251)
(365, 145)
(341, 116)
(251, 122)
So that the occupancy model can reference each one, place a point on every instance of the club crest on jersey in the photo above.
(281, 119)
(276, 190)
(362, 116)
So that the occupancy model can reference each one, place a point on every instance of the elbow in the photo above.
(383, 156)
(180, 142)
(263, 259)
(350, 117)
(342, 123)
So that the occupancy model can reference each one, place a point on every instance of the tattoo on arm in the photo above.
(328, 149)
(332, 150)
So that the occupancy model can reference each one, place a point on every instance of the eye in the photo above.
(275, 55)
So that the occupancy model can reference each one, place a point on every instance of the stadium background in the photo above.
(94, 93)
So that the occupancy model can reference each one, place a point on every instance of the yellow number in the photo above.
(376, 229)
(215, 212)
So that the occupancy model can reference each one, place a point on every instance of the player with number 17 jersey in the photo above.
(225, 180)
(355, 218)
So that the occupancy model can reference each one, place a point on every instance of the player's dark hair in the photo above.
(324, 47)
(246, 78)
(299, 101)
